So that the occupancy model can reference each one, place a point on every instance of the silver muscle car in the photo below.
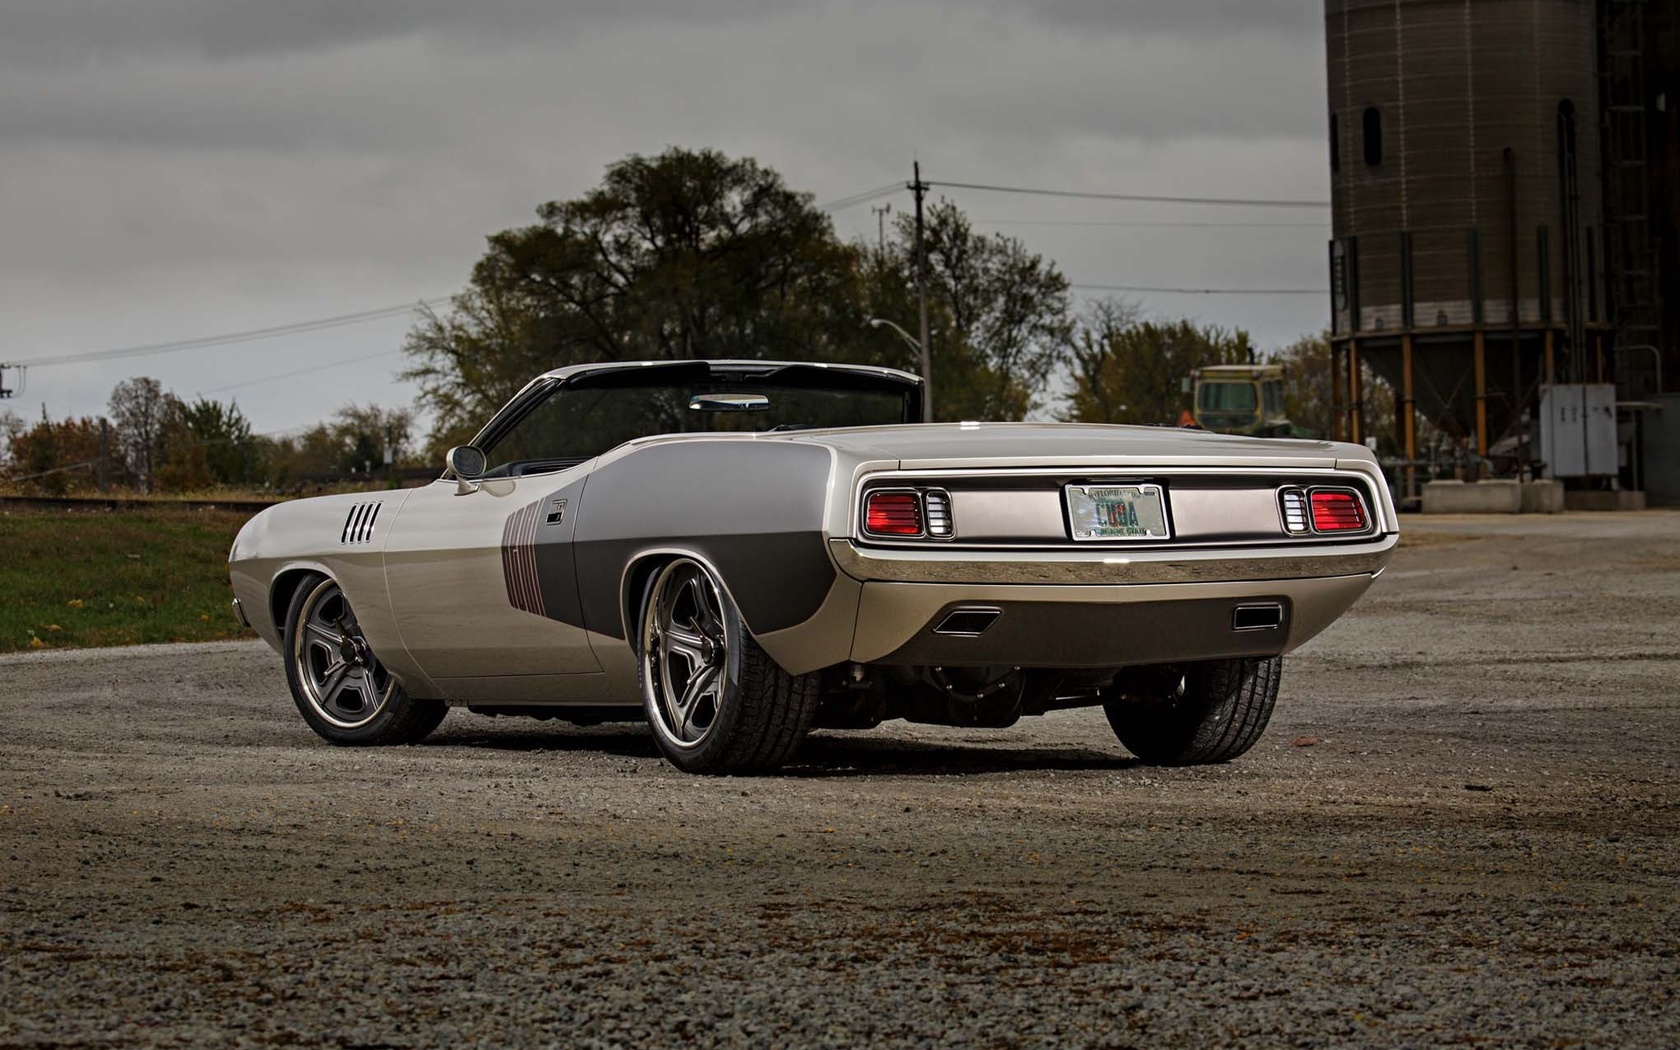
(740, 551)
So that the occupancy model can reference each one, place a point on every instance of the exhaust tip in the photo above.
(1257, 617)
(968, 622)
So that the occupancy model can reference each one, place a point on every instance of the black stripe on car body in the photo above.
(754, 510)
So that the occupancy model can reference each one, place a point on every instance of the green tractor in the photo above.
(1240, 399)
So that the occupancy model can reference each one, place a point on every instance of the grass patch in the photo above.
(88, 578)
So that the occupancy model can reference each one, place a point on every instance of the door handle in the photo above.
(556, 513)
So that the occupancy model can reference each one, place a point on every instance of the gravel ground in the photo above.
(1480, 848)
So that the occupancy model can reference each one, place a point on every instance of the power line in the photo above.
(862, 198)
(1197, 291)
(1156, 225)
(299, 372)
(86, 464)
(1242, 202)
(235, 338)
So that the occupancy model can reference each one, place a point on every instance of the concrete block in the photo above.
(1477, 497)
(1542, 497)
(1620, 499)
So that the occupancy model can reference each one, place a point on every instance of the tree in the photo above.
(224, 434)
(1100, 327)
(999, 314)
(352, 443)
(1308, 394)
(11, 425)
(139, 410)
(685, 255)
(1130, 371)
(54, 458)
(363, 436)
(1306, 383)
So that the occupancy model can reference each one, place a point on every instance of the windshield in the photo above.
(594, 414)
(1227, 397)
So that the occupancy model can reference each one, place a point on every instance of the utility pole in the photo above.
(104, 452)
(881, 214)
(6, 391)
(919, 188)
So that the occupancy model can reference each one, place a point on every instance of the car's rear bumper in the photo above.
(1111, 565)
(1096, 626)
(1100, 608)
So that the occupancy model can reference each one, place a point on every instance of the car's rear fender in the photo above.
(752, 511)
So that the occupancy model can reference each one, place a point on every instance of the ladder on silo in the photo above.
(1633, 303)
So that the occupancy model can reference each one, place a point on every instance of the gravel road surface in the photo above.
(1461, 828)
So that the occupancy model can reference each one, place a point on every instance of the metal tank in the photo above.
(1467, 263)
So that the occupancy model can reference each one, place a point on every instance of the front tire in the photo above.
(715, 700)
(1212, 712)
(341, 689)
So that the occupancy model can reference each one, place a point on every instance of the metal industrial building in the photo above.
(1506, 187)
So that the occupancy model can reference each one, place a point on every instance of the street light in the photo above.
(927, 366)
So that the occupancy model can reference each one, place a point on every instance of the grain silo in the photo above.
(1472, 259)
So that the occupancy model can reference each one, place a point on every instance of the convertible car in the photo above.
(740, 551)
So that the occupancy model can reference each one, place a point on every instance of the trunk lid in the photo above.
(950, 446)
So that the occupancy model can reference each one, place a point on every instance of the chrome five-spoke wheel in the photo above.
(685, 653)
(715, 700)
(342, 690)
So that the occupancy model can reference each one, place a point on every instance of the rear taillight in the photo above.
(1295, 520)
(1334, 510)
(893, 514)
(938, 503)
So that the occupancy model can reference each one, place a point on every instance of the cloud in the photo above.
(1198, 18)
(170, 168)
(98, 31)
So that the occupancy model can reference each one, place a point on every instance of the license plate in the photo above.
(1116, 512)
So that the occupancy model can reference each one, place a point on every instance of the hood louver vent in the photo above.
(358, 524)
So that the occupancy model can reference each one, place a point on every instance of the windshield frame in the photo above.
(814, 376)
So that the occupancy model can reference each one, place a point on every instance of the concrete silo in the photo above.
(1468, 263)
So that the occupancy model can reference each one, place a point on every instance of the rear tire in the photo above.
(715, 700)
(339, 686)
(1217, 711)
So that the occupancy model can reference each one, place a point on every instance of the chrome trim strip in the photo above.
(901, 478)
(1108, 566)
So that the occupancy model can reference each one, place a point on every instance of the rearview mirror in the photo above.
(728, 403)
(466, 462)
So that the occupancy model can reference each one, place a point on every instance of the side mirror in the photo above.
(467, 463)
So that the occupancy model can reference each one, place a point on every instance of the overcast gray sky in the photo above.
(179, 168)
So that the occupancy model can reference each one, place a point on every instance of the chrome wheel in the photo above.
(685, 653)
(340, 678)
